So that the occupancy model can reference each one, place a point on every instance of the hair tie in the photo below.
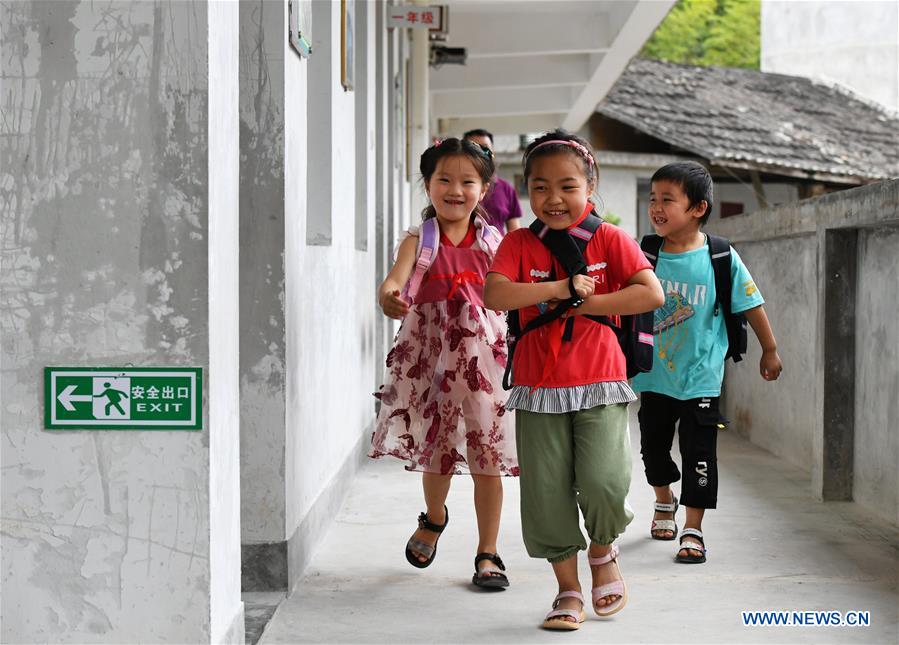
(437, 143)
(572, 144)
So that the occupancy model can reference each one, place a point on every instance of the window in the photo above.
(728, 209)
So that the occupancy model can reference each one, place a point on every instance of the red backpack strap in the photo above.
(428, 245)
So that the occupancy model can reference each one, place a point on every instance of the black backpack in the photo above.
(568, 247)
(719, 250)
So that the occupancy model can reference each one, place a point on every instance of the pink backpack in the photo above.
(488, 238)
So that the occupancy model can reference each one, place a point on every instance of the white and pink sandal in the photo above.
(617, 588)
(556, 618)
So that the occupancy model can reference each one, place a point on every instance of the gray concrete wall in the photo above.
(795, 418)
(262, 276)
(105, 261)
(877, 373)
(760, 410)
(853, 43)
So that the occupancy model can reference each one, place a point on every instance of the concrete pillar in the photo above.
(262, 290)
(364, 91)
(226, 607)
(120, 142)
(420, 139)
(383, 166)
(840, 250)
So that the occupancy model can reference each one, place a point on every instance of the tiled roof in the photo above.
(748, 119)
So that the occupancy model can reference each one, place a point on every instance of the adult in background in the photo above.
(501, 202)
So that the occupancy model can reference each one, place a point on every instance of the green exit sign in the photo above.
(114, 398)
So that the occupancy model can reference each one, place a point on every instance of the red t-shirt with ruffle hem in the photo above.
(593, 354)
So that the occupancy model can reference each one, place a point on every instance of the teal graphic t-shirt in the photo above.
(690, 340)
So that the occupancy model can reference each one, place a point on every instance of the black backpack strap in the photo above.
(651, 245)
(543, 319)
(719, 250)
(721, 255)
(569, 246)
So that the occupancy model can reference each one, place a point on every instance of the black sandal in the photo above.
(691, 545)
(490, 578)
(427, 550)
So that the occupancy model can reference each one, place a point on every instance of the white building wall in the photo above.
(329, 420)
(296, 74)
(853, 43)
(618, 193)
(330, 290)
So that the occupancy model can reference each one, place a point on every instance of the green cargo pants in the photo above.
(570, 460)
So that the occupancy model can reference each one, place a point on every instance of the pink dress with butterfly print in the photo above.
(442, 402)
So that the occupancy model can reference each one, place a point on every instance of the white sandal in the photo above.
(616, 588)
(554, 619)
(665, 525)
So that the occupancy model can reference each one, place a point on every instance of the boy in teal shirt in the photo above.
(690, 346)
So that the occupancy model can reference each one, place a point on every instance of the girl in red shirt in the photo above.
(571, 396)
(442, 402)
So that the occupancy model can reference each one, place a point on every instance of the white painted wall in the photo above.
(853, 43)
(296, 295)
(226, 609)
(330, 291)
(618, 191)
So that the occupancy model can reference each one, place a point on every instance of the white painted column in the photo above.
(225, 606)
(420, 111)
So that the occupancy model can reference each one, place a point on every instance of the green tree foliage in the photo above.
(709, 32)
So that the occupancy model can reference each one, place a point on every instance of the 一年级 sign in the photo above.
(416, 17)
(113, 398)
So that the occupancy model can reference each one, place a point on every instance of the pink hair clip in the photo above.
(573, 144)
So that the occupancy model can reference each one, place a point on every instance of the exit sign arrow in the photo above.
(67, 396)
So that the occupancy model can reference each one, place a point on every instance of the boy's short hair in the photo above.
(478, 132)
(695, 181)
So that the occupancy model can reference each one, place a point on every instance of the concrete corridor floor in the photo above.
(771, 547)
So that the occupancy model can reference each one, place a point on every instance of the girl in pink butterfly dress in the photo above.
(442, 402)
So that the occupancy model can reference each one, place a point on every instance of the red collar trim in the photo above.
(467, 241)
(587, 210)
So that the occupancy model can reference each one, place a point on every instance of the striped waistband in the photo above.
(558, 400)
